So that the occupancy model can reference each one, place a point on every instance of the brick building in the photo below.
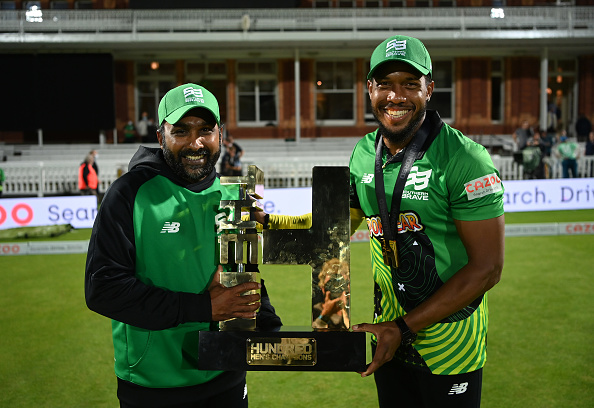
(495, 63)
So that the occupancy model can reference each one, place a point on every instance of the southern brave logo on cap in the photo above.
(192, 94)
(396, 47)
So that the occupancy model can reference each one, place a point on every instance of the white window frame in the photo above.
(256, 93)
(352, 91)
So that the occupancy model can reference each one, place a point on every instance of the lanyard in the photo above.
(390, 220)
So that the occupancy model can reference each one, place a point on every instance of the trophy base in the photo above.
(284, 350)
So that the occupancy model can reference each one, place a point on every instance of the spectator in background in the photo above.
(95, 155)
(142, 128)
(552, 117)
(230, 141)
(522, 135)
(583, 127)
(152, 131)
(568, 152)
(231, 163)
(129, 132)
(533, 155)
(87, 177)
(547, 140)
(2, 178)
(590, 151)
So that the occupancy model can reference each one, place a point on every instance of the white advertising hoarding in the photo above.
(78, 211)
(549, 195)
(519, 195)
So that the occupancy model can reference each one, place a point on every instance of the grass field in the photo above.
(54, 352)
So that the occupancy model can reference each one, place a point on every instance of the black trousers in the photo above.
(234, 397)
(403, 385)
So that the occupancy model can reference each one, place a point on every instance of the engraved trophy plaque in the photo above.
(328, 344)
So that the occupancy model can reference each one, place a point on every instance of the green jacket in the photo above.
(152, 255)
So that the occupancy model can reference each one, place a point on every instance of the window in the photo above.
(83, 4)
(443, 91)
(7, 5)
(62, 5)
(256, 93)
(496, 90)
(335, 92)
(153, 80)
(212, 76)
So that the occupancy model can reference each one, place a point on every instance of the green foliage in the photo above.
(54, 352)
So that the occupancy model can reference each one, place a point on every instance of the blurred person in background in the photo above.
(2, 179)
(590, 151)
(522, 135)
(142, 128)
(532, 156)
(87, 177)
(583, 127)
(129, 132)
(230, 141)
(568, 151)
(152, 131)
(231, 163)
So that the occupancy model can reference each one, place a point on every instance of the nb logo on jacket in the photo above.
(170, 227)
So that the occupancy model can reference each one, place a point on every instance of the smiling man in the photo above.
(153, 263)
(432, 200)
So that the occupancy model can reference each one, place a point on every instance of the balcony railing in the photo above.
(565, 19)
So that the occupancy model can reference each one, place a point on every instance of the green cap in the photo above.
(401, 48)
(181, 99)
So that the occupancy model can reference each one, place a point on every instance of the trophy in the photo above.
(328, 344)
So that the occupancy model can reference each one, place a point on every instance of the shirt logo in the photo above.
(193, 95)
(170, 227)
(482, 186)
(458, 388)
(419, 179)
(367, 178)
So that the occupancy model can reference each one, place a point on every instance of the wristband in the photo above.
(407, 335)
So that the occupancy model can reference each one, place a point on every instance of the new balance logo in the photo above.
(367, 178)
(458, 388)
(170, 227)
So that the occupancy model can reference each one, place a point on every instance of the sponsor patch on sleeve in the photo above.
(483, 186)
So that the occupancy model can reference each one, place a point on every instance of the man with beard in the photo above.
(433, 203)
(152, 264)
(438, 199)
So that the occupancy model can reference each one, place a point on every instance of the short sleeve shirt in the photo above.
(452, 178)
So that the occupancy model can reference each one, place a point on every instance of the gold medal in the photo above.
(390, 252)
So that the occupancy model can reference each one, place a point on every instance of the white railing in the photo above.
(556, 18)
(40, 179)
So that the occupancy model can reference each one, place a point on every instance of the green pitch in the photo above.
(54, 352)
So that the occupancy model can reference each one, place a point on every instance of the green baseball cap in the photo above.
(401, 48)
(181, 99)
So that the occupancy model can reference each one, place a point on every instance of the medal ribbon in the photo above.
(390, 219)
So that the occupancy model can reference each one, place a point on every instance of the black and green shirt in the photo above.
(452, 178)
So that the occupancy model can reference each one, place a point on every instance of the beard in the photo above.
(190, 173)
(405, 134)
